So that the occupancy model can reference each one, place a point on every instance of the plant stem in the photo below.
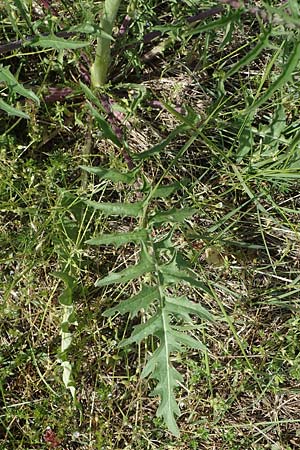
(102, 60)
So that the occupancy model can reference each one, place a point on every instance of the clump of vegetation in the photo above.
(149, 168)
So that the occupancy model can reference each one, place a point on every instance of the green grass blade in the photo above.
(253, 54)
(285, 76)
(22, 7)
(214, 25)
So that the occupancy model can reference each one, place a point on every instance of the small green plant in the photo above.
(160, 269)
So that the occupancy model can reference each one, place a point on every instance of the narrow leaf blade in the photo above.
(156, 149)
(7, 77)
(117, 209)
(58, 43)
(285, 76)
(12, 111)
(111, 174)
(104, 126)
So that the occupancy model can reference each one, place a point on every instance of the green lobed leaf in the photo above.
(188, 340)
(57, 43)
(171, 274)
(134, 304)
(118, 239)
(142, 331)
(7, 77)
(166, 242)
(145, 265)
(111, 174)
(160, 368)
(182, 305)
(11, 111)
(117, 209)
(173, 215)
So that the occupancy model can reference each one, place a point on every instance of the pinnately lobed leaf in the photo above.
(145, 265)
(118, 239)
(11, 111)
(146, 297)
(160, 368)
(172, 215)
(165, 268)
(142, 331)
(180, 305)
(7, 77)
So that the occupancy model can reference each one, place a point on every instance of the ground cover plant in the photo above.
(149, 228)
